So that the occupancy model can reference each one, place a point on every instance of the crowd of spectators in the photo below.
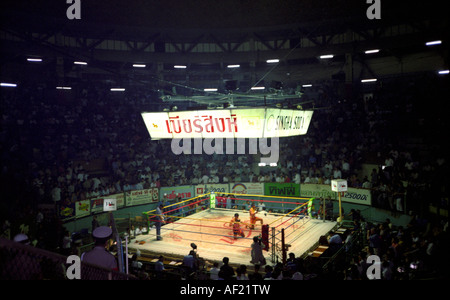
(49, 141)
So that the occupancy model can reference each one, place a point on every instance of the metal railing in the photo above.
(24, 262)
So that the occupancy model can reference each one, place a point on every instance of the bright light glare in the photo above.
(272, 61)
(139, 65)
(368, 80)
(117, 90)
(179, 67)
(326, 56)
(443, 72)
(432, 43)
(255, 88)
(233, 66)
(5, 84)
(372, 51)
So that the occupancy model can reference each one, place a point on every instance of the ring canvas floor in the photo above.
(211, 232)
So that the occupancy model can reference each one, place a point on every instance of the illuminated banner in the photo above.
(229, 123)
(286, 122)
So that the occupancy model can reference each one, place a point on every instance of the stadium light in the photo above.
(368, 80)
(372, 51)
(433, 43)
(210, 90)
(34, 59)
(139, 66)
(6, 84)
(257, 88)
(272, 61)
(82, 63)
(117, 89)
(179, 67)
(233, 66)
(326, 56)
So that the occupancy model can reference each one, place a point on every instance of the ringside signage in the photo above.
(352, 195)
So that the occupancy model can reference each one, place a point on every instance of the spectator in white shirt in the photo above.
(337, 173)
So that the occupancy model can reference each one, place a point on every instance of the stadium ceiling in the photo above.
(208, 36)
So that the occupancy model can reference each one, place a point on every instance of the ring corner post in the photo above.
(148, 221)
(310, 204)
(212, 200)
(265, 236)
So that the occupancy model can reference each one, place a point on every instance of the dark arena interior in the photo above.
(114, 117)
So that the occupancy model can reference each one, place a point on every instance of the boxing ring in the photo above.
(206, 222)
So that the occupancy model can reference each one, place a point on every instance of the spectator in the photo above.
(226, 271)
(159, 267)
(241, 273)
(337, 174)
(99, 255)
(257, 252)
(256, 275)
(214, 272)
(335, 242)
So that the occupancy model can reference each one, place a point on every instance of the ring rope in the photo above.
(288, 213)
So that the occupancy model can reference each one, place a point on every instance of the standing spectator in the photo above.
(66, 243)
(226, 271)
(159, 221)
(257, 252)
(229, 202)
(374, 241)
(99, 255)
